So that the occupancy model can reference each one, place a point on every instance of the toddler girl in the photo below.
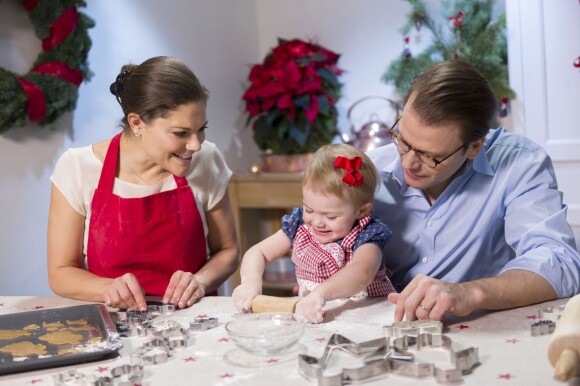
(336, 243)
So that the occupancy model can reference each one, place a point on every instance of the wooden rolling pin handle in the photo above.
(564, 346)
(566, 366)
(264, 303)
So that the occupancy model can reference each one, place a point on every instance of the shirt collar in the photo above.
(481, 162)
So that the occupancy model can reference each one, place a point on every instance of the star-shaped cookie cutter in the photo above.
(76, 378)
(127, 375)
(168, 336)
(137, 322)
(202, 324)
(390, 355)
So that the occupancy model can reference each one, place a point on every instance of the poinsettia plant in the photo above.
(291, 101)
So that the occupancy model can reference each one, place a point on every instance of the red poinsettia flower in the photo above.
(292, 95)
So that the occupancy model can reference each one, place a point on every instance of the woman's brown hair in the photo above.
(155, 87)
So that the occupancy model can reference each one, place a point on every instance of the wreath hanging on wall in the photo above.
(50, 88)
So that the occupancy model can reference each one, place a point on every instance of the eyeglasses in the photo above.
(403, 147)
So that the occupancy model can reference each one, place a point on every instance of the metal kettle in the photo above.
(375, 132)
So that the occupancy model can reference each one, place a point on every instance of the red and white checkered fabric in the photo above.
(316, 262)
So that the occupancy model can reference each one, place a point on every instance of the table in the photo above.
(509, 355)
(270, 194)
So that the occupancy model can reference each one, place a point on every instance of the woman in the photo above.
(146, 212)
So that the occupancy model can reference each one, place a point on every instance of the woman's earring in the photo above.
(137, 134)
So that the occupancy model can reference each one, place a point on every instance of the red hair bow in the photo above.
(352, 166)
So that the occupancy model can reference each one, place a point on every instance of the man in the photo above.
(477, 218)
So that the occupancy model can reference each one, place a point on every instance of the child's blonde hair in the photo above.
(322, 177)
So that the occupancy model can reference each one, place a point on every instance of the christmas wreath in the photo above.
(50, 88)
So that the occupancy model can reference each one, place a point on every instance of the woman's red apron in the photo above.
(151, 237)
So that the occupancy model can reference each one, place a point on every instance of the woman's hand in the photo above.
(125, 292)
(311, 307)
(184, 289)
(245, 293)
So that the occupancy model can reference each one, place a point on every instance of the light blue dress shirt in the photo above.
(503, 211)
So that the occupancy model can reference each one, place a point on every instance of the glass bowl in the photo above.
(265, 334)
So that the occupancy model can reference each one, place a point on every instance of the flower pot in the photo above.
(285, 163)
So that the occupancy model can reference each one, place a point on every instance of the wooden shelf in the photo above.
(264, 192)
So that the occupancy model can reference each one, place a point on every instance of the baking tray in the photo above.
(99, 341)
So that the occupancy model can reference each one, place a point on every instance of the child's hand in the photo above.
(244, 294)
(311, 307)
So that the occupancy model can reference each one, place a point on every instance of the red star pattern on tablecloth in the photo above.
(320, 340)
(514, 341)
(202, 316)
(532, 317)
(462, 326)
(1, 304)
(101, 369)
(189, 359)
(35, 381)
(505, 376)
(272, 360)
(226, 375)
(224, 339)
(38, 307)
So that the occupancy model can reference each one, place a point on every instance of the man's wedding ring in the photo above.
(427, 309)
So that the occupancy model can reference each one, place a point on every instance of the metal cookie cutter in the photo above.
(136, 322)
(163, 328)
(151, 353)
(543, 327)
(75, 378)
(548, 318)
(551, 313)
(388, 355)
(127, 375)
(172, 333)
(203, 324)
(413, 328)
(160, 309)
(168, 336)
(463, 361)
(313, 368)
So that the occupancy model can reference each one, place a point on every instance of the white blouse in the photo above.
(78, 170)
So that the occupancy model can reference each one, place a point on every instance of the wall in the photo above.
(219, 39)
(366, 34)
(216, 38)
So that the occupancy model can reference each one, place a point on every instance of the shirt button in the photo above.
(429, 224)
(424, 259)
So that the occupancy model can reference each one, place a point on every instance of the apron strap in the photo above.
(349, 240)
(107, 179)
(180, 181)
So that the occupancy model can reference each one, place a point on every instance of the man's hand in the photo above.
(428, 298)
(245, 293)
(184, 289)
(310, 307)
(125, 292)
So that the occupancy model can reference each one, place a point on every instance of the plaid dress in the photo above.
(316, 262)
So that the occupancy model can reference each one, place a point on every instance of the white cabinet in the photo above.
(543, 43)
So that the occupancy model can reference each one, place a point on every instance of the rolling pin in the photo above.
(264, 303)
(564, 347)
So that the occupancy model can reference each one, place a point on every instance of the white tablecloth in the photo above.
(509, 355)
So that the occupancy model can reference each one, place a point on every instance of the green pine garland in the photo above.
(481, 42)
(60, 95)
